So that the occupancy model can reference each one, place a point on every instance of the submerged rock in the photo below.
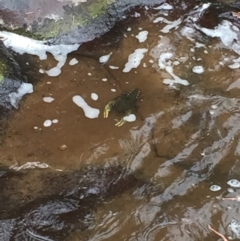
(51, 204)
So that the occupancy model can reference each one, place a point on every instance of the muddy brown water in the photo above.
(147, 180)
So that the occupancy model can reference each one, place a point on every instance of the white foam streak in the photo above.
(89, 112)
(25, 88)
(134, 59)
(21, 45)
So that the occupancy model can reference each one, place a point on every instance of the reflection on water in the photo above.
(153, 177)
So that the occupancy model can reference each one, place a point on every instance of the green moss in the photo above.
(2, 71)
(78, 16)
(98, 7)
(24, 32)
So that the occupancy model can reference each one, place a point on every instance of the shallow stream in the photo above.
(167, 175)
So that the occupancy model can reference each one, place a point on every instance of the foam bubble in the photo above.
(113, 67)
(215, 188)
(104, 59)
(94, 96)
(142, 36)
(198, 69)
(48, 99)
(15, 97)
(130, 118)
(233, 183)
(134, 59)
(88, 111)
(55, 121)
(47, 123)
(73, 61)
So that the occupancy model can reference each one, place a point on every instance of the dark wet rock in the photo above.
(68, 22)
(60, 202)
(11, 78)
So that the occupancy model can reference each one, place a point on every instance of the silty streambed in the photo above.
(146, 180)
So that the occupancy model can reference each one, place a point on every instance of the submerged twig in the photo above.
(219, 234)
(231, 198)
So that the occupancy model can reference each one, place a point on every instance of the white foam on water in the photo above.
(233, 183)
(15, 97)
(130, 118)
(164, 6)
(176, 79)
(215, 188)
(113, 67)
(235, 227)
(170, 24)
(175, 24)
(73, 61)
(55, 121)
(227, 32)
(230, 190)
(234, 65)
(21, 45)
(29, 165)
(161, 20)
(89, 112)
(199, 45)
(137, 15)
(104, 59)
(142, 36)
(94, 96)
(164, 62)
(198, 69)
(47, 123)
(134, 59)
(48, 99)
